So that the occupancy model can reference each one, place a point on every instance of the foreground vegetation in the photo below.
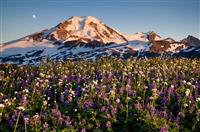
(104, 95)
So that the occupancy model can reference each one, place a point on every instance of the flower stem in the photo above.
(17, 121)
(25, 127)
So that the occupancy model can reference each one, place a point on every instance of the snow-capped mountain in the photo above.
(87, 37)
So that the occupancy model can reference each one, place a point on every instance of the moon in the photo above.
(34, 16)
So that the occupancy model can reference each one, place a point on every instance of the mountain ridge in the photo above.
(87, 37)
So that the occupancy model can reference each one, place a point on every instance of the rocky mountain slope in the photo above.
(88, 38)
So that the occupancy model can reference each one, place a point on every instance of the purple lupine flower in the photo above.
(45, 126)
(1, 97)
(137, 106)
(68, 121)
(131, 92)
(152, 85)
(83, 122)
(121, 90)
(13, 118)
(98, 74)
(43, 115)
(83, 130)
(98, 124)
(164, 128)
(164, 101)
(69, 98)
(66, 104)
(178, 76)
(121, 106)
(129, 81)
(181, 114)
(108, 124)
(108, 116)
(24, 101)
(78, 92)
(88, 104)
(192, 108)
(170, 89)
(12, 122)
(108, 88)
(59, 120)
(164, 115)
(177, 125)
(36, 119)
(175, 85)
(62, 99)
(114, 111)
(49, 93)
(103, 108)
(26, 120)
(177, 96)
(152, 110)
(57, 114)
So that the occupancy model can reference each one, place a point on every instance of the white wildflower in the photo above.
(42, 75)
(189, 83)
(46, 80)
(21, 108)
(71, 92)
(37, 84)
(139, 98)
(95, 82)
(184, 81)
(193, 86)
(25, 91)
(118, 100)
(36, 116)
(2, 105)
(198, 99)
(151, 98)
(1, 94)
(5, 100)
(172, 86)
(185, 105)
(26, 119)
(48, 76)
(154, 90)
(187, 92)
(112, 92)
(128, 98)
(45, 103)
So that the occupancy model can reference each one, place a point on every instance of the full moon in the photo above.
(34, 16)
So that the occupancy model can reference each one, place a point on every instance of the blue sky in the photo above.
(169, 18)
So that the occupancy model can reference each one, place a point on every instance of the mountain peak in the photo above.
(84, 18)
(153, 36)
(191, 41)
(86, 28)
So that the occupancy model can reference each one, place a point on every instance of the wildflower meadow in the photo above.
(108, 94)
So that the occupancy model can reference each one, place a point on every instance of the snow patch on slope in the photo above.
(23, 46)
(138, 36)
(173, 47)
(138, 45)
